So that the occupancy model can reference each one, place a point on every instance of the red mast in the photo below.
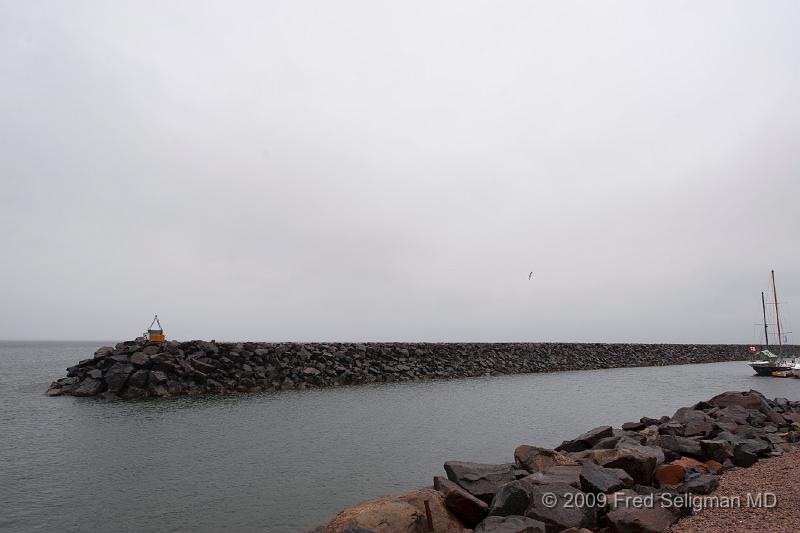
(777, 316)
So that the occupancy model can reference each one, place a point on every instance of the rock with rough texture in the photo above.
(693, 422)
(510, 524)
(561, 515)
(670, 475)
(479, 479)
(215, 368)
(535, 459)
(138, 379)
(568, 474)
(140, 359)
(744, 458)
(747, 400)
(642, 520)
(597, 479)
(469, 509)
(718, 450)
(586, 440)
(699, 484)
(682, 445)
(117, 375)
(634, 426)
(512, 499)
(636, 463)
(88, 387)
(398, 514)
(693, 465)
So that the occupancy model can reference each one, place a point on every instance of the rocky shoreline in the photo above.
(138, 369)
(642, 477)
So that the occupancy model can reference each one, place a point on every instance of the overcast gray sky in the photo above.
(372, 170)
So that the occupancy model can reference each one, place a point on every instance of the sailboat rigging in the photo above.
(769, 363)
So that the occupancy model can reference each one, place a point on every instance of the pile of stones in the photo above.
(643, 476)
(137, 368)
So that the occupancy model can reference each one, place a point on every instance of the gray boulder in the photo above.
(682, 445)
(117, 375)
(558, 516)
(718, 450)
(597, 479)
(89, 387)
(479, 479)
(638, 463)
(642, 520)
(138, 379)
(693, 422)
(586, 440)
(699, 484)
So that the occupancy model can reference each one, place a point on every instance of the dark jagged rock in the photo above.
(682, 445)
(587, 440)
(597, 479)
(642, 520)
(563, 514)
(634, 426)
(117, 375)
(699, 484)
(479, 479)
(89, 387)
(718, 450)
(636, 463)
(693, 422)
(512, 498)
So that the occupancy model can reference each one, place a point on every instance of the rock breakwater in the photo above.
(642, 477)
(136, 369)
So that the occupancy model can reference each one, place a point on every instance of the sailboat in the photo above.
(770, 364)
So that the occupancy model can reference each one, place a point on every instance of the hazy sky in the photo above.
(372, 170)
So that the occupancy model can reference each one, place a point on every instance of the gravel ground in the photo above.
(780, 475)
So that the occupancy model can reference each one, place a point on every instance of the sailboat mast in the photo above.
(777, 316)
(764, 313)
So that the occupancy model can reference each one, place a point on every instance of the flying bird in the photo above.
(530, 276)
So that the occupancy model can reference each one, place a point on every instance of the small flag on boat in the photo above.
(753, 349)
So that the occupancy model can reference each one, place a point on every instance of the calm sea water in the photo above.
(288, 461)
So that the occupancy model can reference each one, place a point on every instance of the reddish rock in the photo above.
(670, 475)
(398, 514)
(691, 464)
(464, 505)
